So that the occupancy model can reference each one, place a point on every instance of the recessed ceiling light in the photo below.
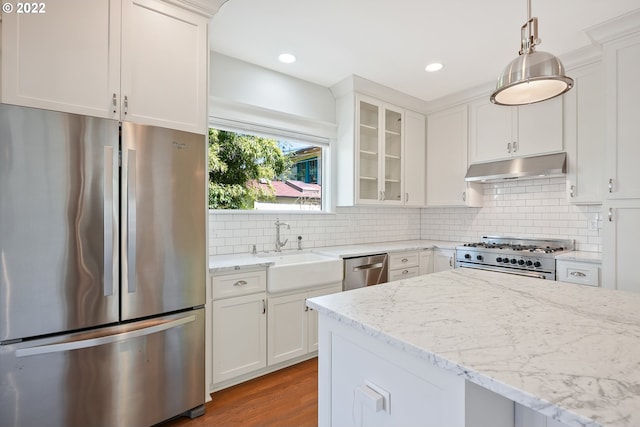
(287, 58)
(434, 66)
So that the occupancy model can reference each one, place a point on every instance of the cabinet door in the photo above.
(239, 336)
(447, 159)
(392, 168)
(585, 135)
(623, 127)
(54, 61)
(415, 148)
(287, 328)
(368, 147)
(539, 128)
(164, 66)
(490, 131)
(312, 316)
(426, 262)
(443, 260)
(621, 232)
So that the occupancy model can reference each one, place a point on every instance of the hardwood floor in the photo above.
(286, 398)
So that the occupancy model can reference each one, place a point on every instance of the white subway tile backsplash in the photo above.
(530, 208)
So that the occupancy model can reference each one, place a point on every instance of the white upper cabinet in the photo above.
(500, 132)
(380, 143)
(164, 66)
(143, 61)
(57, 62)
(415, 148)
(447, 137)
(622, 62)
(585, 134)
(380, 153)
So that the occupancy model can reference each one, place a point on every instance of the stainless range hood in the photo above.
(547, 165)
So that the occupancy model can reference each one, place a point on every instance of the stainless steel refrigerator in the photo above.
(102, 271)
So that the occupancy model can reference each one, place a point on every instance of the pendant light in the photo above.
(533, 76)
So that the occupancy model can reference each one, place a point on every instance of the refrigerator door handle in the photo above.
(131, 221)
(107, 221)
(143, 330)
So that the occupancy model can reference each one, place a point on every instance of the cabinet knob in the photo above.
(515, 146)
(464, 196)
(610, 215)
(571, 190)
(610, 185)
(126, 104)
(114, 101)
(509, 148)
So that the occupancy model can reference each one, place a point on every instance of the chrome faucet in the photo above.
(279, 245)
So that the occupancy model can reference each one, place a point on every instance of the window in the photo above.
(265, 172)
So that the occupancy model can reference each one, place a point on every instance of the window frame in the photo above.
(327, 205)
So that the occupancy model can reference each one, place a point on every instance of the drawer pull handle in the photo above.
(405, 260)
(578, 274)
(405, 271)
(240, 283)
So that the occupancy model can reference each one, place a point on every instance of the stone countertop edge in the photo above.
(544, 375)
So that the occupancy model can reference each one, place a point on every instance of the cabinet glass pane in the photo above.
(369, 156)
(393, 155)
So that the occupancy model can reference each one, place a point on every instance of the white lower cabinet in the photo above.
(291, 326)
(443, 259)
(525, 417)
(581, 273)
(364, 382)
(239, 324)
(403, 265)
(426, 262)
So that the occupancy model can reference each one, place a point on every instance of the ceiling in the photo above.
(391, 41)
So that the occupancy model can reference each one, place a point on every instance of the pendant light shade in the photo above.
(533, 76)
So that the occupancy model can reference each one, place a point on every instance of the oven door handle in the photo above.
(533, 274)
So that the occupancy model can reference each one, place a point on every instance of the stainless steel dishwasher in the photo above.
(365, 271)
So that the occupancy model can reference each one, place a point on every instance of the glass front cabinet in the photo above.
(380, 155)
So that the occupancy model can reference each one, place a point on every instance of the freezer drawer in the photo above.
(135, 375)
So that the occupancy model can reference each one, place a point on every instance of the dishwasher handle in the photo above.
(369, 266)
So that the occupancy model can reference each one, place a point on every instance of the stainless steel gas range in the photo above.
(524, 257)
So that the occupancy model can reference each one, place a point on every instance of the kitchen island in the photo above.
(458, 348)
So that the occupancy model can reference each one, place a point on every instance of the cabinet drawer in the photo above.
(582, 273)
(403, 259)
(404, 273)
(236, 284)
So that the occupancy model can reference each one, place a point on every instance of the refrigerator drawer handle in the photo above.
(131, 221)
(368, 266)
(108, 339)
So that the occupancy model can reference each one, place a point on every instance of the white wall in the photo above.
(535, 208)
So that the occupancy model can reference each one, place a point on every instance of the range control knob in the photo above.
(499, 259)
(505, 260)
(521, 262)
(479, 257)
(529, 263)
(467, 256)
(537, 264)
(513, 261)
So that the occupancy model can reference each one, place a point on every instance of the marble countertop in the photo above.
(348, 251)
(568, 351)
(590, 257)
(230, 262)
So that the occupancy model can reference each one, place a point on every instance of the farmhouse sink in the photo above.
(300, 270)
